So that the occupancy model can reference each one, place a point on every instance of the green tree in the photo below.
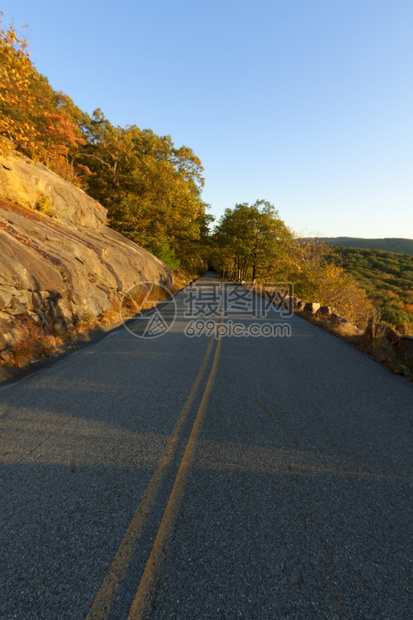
(151, 189)
(252, 242)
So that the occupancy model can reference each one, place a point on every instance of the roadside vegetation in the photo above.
(42, 340)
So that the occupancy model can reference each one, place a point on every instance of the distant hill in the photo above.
(388, 279)
(401, 246)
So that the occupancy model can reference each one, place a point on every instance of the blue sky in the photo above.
(305, 103)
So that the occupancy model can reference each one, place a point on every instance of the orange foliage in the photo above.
(37, 120)
(16, 74)
(391, 294)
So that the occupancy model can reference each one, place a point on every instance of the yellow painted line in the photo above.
(146, 592)
(108, 591)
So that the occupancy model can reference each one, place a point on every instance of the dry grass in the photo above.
(111, 315)
(84, 321)
(42, 341)
(36, 344)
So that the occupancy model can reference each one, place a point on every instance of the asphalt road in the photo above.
(193, 476)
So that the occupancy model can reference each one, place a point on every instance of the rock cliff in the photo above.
(58, 259)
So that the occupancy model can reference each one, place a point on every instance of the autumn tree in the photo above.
(35, 120)
(152, 189)
(318, 276)
(252, 242)
(16, 97)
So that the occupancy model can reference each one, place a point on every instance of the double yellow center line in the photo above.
(145, 593)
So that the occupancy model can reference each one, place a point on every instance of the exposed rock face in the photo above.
(63, 262)
(293, 303)
(324, 312)
(33, 186)
(337, 319)
(311, 307)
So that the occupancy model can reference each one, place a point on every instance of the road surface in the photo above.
(193, 476)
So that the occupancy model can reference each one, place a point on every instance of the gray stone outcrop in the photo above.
(324, 312)
(311, 307)
(34, 186)
(61, 261)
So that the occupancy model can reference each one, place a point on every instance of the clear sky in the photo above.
(305, 103)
